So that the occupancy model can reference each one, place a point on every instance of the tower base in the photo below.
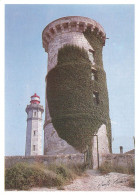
(54, 145)
(100, 146)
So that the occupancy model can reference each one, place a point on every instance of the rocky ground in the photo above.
(94, 181)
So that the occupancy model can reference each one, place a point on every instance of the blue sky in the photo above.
(26, 65)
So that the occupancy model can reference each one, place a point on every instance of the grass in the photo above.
(131, 182)
(78, 169)
(107, 168)
(23, 176)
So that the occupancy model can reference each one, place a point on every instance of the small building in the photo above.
(34, 127)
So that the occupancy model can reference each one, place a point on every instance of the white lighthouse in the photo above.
(34, 127)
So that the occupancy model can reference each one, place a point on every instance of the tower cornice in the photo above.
(34, 106)
(71, 24)
(34, 118)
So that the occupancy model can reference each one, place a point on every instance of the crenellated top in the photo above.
(71, 24)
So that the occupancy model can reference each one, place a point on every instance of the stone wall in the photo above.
(54, 145)
(103, 146)
(46, 159)
(70, 38)
(123, 160)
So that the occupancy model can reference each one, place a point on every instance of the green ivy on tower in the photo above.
(75, 116)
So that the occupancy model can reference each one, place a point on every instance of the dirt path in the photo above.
(94, 181)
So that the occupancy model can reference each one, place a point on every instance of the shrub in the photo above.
(131, 182)
(62, 170)
(23, 176)
(78, 169)
(105, 168)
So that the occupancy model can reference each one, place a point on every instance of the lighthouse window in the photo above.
(34, 133)
(96, 97)
(35, 113)
(91, 56)
(33, 147)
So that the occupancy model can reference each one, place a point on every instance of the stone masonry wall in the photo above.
(67, 159)
(37, 139)
(28, 138)
(34, 125)
(103, 146)
(53, 144)
(70, 38)
(123, 160)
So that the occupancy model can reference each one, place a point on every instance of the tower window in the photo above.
(91, 56)
(96, 97)
(34, 133)
(34, 148)
(35, 113)
(93, 74)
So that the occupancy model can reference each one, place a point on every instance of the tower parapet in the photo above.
(71, 24)
(69, 31)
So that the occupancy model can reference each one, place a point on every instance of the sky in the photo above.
(26, 66)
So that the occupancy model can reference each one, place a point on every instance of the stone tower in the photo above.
(73, 30)
(34, 127)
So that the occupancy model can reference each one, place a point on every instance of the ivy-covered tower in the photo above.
(77, 106)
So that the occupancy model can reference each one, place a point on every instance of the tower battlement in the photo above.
(71, 24)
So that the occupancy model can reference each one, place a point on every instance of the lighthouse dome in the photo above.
(35, 99)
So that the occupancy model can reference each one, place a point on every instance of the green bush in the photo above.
(78, 169)
(131, 182)
(63, 171)
(23, 176)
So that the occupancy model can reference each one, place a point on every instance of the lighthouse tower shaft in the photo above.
(34, 127)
